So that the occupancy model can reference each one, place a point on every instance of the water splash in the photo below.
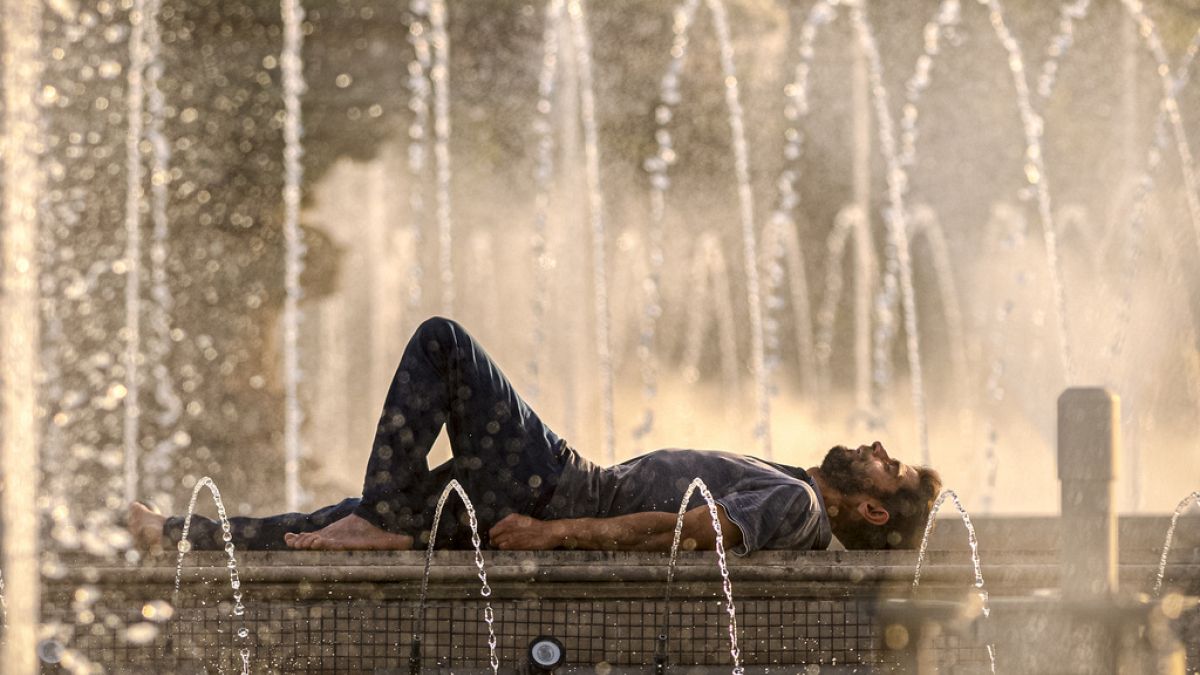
(1060, 44)
(1162, 561)
(941, 28)
(571, 13)
(657, 167)
(1172, 85)
(897, 280)
(292, 66)
(851, 218)
(1170, 104)
(974, 544)
(898, 276)
(781, 238)
(1035, 175)
(1144, 186)
(485, 590)
(235, 582)
(944, 23)
(797, 108)
(722, 562)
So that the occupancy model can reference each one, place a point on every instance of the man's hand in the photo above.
(523, 533)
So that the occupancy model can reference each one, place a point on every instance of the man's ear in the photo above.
(873, 512)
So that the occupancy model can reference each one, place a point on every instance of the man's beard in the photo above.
(842, 474)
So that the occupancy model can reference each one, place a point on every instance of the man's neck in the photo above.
(830, 495)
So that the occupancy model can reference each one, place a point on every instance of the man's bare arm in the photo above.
(647, 531)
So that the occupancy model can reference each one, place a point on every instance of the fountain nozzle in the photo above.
(546, 654)
(414, 657)
(660, 655)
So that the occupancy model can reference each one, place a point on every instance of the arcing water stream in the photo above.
(1193, 498)
(974, 543)
(485, 590)
(726, 585)
(235, 582)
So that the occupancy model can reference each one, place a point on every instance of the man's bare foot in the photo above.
(349, 534)
(146, 527)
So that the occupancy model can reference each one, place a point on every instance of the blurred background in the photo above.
(673, 226)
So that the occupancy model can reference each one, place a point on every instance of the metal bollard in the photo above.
(1088, 459)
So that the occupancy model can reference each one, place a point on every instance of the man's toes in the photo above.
(299, 541)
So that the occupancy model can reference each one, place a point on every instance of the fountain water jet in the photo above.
(897, 253)
(927, 227)
(591, 146)
(418, 104)
(235, 582)
(1006, 227)
(659, 182)
(292, 66)
(898, 264)
(485, 590)
(1168, 111)
(974, 544)
(1060, 44)
(945, 21)
(1166, 549)
(439, 76)
(20, 332)
(542, 177)
(781, 245)
(1170, 105)
(1035, 173)
(850, 221)
(132, 264)
(710, 282)
(158, 463)
(569, 15)
(726, 585)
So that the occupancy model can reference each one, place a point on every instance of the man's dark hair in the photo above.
(908, 510)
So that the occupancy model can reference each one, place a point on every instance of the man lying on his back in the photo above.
(533, 491)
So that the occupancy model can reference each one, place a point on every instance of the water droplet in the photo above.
(141, 633)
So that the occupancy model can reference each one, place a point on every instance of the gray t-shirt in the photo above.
(774, 505)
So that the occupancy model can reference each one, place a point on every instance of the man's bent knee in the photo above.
(439, 328)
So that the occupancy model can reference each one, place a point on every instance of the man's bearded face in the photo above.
(846, 471)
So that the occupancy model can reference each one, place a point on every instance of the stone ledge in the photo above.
(869, 570)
